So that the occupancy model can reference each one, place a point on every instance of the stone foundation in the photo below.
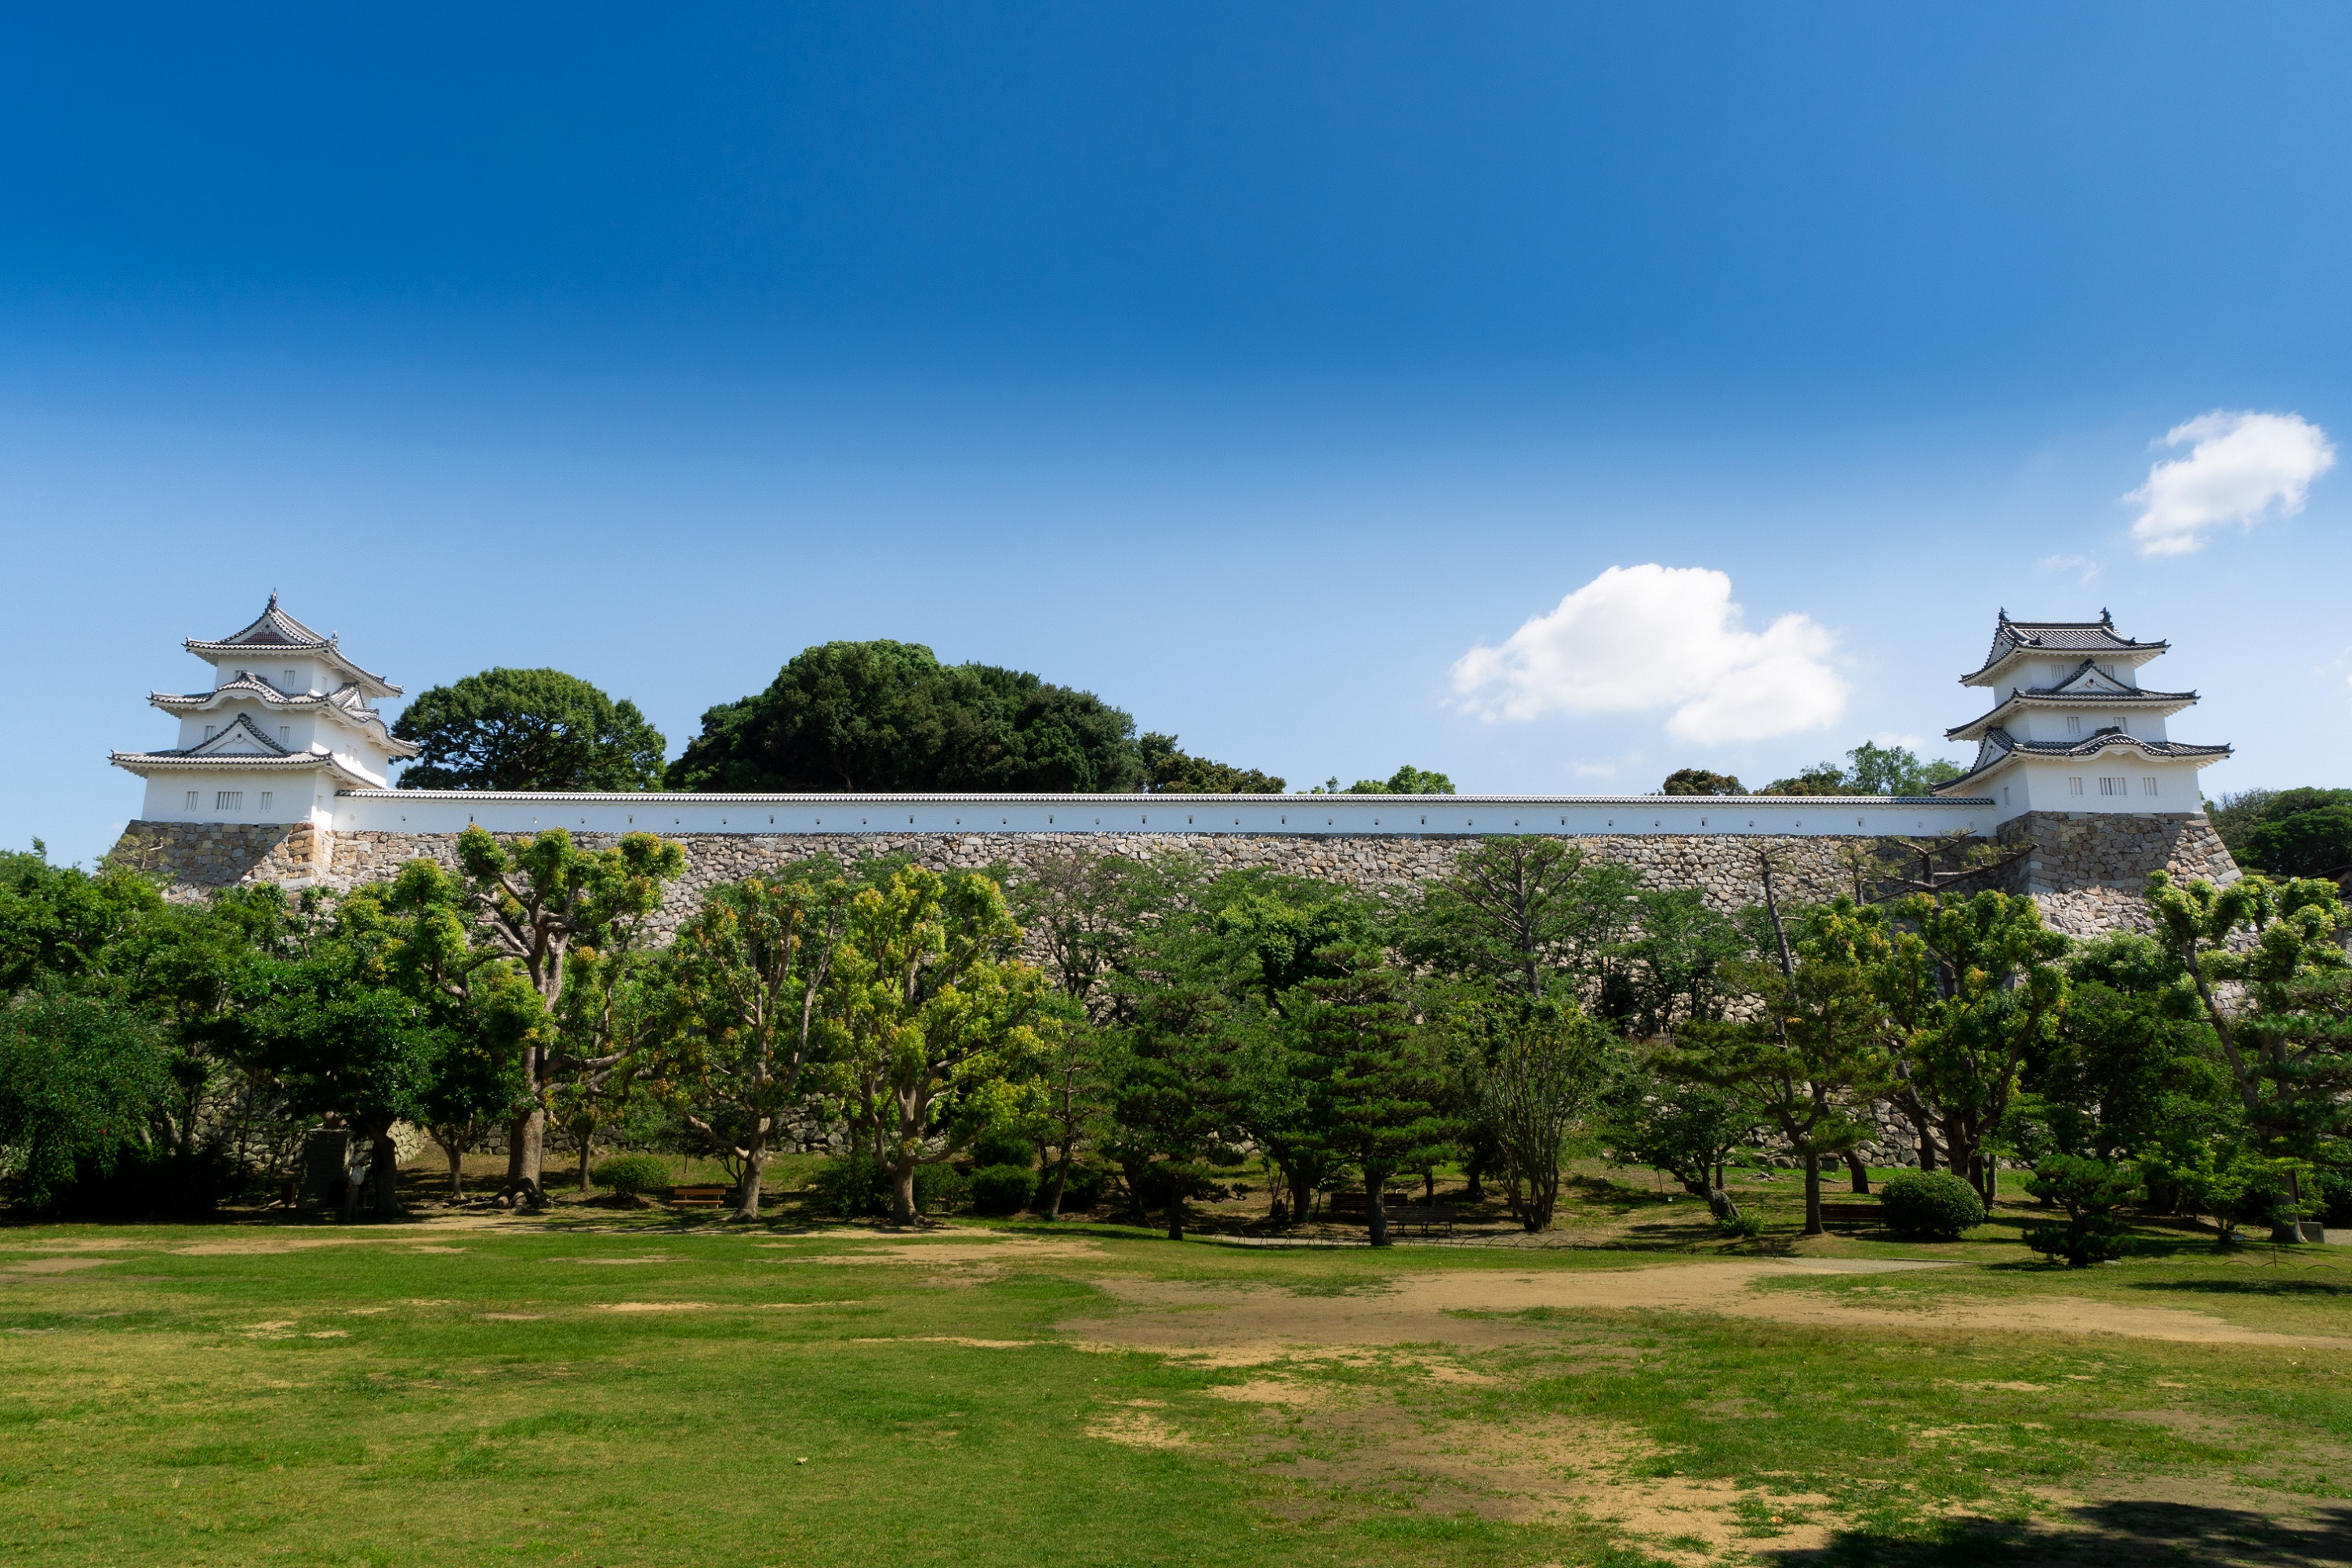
(198, 858)
(2078, 851)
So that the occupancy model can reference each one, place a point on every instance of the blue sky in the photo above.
(1251, 366)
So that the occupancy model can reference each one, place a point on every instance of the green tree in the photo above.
(1383, 1077)
(1815, 1055)
(82, 1078)
(58, 920)
(1529, 915)
(756, 967)
(1674, 964)
(1976, 990)
(936, 1018)
(887, 716)
(1698, 781)
(1168, 769)
(1406, 780)
(1539, 1072)
(2289, 1044)
(2314, 842)
(1686, 1128)
(528, 730)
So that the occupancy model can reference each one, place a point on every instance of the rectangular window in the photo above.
(265, 800)
(208, 731)
(228, 800)
(2073, 786)
(286, 734)
(191, 800)
(2115, 786)
(291, 677)
(2148, 786)
(2073, 723)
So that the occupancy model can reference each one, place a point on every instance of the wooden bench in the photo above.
(1422, 1214)
(1864, 1212)
(1349, 1202)
(697, 1197)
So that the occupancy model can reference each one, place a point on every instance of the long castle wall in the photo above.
(2086, 870)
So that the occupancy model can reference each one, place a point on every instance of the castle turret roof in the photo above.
(275, 632)
(2012, 640)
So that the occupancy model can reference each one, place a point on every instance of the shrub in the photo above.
(1002, 1189)
(1002, 1145)
(937, 1188)
(628, 1174)
(1083, 1188)
(1931, 1205)
(853, 1187)
(2078, 1244)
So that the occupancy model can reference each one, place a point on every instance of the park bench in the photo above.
(1422, 1214)
(1349, 1202)
(1865, 1211)
(697, 1197)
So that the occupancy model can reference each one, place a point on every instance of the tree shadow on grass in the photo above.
(2247, 1287)
(2183, 1535)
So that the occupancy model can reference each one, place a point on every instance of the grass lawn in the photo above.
(624, 1388)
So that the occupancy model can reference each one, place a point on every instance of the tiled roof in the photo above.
(347, 700)
(2000, 744)
(2058, 636)
(275, 631)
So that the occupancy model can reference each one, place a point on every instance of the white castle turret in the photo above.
(2072, 730)
(289, 722)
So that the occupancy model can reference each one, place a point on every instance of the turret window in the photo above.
(2073, 723)
(292, 677)
(2148, 786)
(2115, 786)
(191, 800)
(2073, 786)
(265, 800)
(228, 800)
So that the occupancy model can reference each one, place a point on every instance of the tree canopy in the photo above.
(529, 729)
(1872, 769)
(1406, 780)
(849, 717)
(1168, 769)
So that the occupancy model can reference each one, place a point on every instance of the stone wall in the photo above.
(2086, 870)
(1725, 867)
(195, 858)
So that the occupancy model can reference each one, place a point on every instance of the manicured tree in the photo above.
(1175, 1099)
(1976, 990)
(528, 730)
(1383, 1075)
(1685, 1128)
(2090, 1191)
(2289, 1045)
(533, 903)
(1816, 1054)
(81, 1080)
(1530, 915)
(935, 1017)
(754, 966)
(1541, 1071)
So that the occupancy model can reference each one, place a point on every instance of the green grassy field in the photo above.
(606, 1388)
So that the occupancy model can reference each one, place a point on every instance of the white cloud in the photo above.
(1638, 637)
(2238, 466)
(2081, 564)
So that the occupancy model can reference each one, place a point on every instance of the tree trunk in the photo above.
(383, 1174)
(902, 1194)
(1137, 1213)
(1053, 1208)
(2290, 1231)
(755, 1157)
(1858, 1171)
(1376, 1213)
(456, 1150)
(526, 1147)
(1473, 1169)
(587, 1155)
(1302, 1197)
(1175, 1210)
(1814, 1196)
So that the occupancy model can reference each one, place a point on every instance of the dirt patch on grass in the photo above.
(1239, 1326)
(57, 1265)
(650, 1257)
(655, 1306)
(1133, 1429)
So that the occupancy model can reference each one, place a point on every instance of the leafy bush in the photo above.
(1003, 1146)
(1931, 1205)
(938, 1189)
(1083, 1188)
(627, 1173)
(853, 1187)
(80, 1076)
(2079, 1243)
(1002, 1189)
